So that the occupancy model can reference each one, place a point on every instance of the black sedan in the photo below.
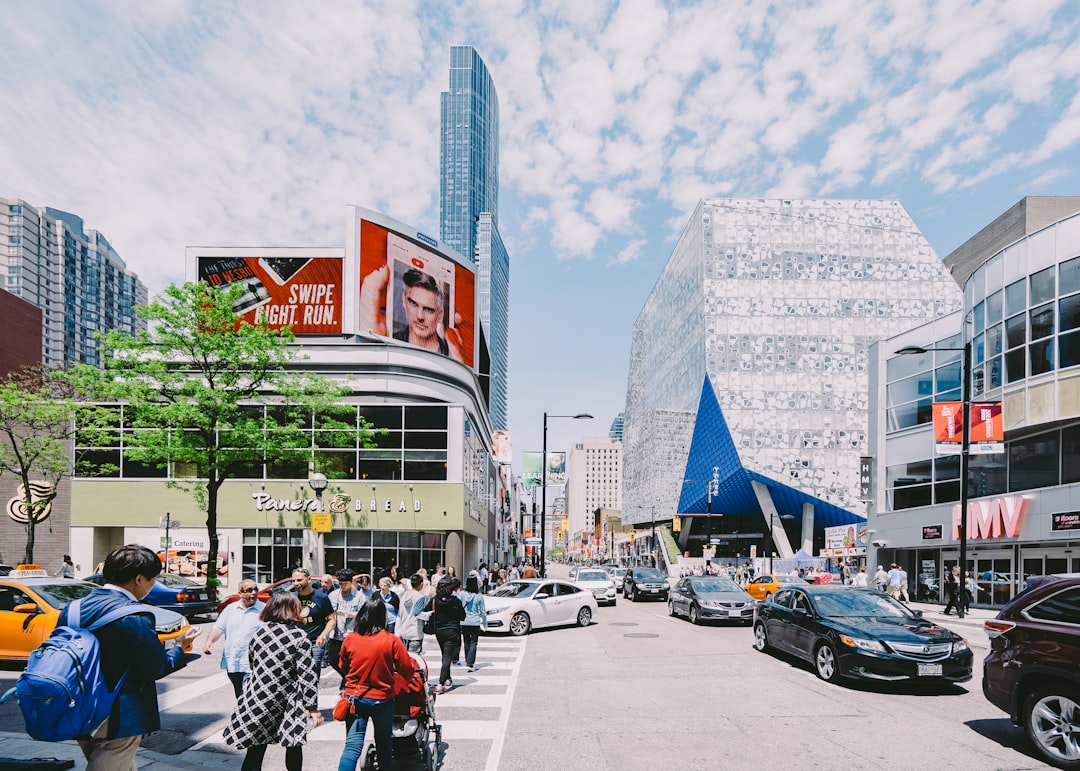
(859, 633)
(706, 598)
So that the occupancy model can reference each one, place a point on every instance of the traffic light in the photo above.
(633, 534)
(676, 525)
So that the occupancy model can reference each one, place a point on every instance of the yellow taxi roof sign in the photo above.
(28, 571)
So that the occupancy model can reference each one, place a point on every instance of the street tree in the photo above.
(36, 424)
(212, 397)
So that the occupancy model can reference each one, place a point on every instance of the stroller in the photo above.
(415, 729)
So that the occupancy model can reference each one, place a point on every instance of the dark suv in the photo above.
(1033, 669)
(645, 582)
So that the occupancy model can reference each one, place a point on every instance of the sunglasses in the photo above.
(248, 591)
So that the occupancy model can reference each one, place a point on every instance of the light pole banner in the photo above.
(987, 428)
(948, 427)
(533, 462)
(556, 468)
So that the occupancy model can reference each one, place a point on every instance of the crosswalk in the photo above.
(475, 710)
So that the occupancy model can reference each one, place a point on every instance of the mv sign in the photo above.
(992, 517)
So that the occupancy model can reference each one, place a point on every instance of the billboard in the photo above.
(297, 288)
(845, 541)
(413, 292)
(502, 447)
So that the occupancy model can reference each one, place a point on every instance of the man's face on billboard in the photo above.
(422, 307)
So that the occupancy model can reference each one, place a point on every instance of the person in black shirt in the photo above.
(316, 616)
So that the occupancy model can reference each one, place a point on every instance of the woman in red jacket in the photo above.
(370, 656)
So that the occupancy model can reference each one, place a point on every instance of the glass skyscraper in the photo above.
(469, 204)
(778, 302)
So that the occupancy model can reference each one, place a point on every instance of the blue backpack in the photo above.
(62, 692)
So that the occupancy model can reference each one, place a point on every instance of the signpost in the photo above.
(167, 523)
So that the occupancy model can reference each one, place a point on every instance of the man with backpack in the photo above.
(130, 650)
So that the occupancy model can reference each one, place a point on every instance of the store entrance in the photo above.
(1048, 562)
(995, 578)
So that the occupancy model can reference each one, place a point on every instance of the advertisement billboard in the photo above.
(413, 292)
(502, 447)
(845, 541)
(297, 288)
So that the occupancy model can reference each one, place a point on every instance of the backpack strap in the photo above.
(114, 614)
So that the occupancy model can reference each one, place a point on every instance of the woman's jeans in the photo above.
(381, 713)
(470, 634)
(449, 638)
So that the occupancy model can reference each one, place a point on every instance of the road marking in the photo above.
(173, 698)
(495, 753)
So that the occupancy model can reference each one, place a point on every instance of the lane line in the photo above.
(495, 753)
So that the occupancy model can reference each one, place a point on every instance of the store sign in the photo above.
(267, 502)
(992, 518)
(866, 479)
(1065, 520)
(932, 532)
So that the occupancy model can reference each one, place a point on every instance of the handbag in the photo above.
(429, 625)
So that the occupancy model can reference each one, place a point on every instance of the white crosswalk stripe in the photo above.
(499, 656)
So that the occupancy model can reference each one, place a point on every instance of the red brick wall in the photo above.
(20, 343)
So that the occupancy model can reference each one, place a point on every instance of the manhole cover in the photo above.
(167, 742)
(623, 623)
(640, 634)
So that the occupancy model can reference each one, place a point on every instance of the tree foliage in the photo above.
(193, 389)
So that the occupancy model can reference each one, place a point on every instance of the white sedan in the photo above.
(599, 583)
(532, 603)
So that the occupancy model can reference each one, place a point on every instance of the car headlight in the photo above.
(866, 645)
(493, 611)
(959, 646)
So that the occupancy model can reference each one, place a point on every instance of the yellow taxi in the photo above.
(763, 587)
(30, 605)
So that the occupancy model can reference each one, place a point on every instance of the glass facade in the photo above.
(469, 206)
(778, 301)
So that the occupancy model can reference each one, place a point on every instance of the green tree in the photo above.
(36, 414)
(193, 389)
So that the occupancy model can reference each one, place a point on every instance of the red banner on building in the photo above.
(987, 428)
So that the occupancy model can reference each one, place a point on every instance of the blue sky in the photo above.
(169, 124)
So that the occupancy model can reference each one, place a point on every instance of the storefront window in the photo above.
(986, 475)
(1033, 462)
(1070, 454)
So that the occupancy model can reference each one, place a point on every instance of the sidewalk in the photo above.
(21, 746)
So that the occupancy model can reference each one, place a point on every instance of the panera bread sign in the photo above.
(337, 504)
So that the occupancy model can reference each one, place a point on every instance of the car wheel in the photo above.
(671, 608)
(761, 638)
(520, 624)
(584, 617)
(826, 664)
(695, 615)
(630, 595)
(1051, 719)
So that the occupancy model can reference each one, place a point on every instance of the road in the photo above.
(639, 690)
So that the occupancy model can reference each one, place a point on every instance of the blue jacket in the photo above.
(475, 610)
(129, 642)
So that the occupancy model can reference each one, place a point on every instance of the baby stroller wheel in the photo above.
(431, 749)
(371, 760)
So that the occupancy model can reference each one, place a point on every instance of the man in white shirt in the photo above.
(237, 623)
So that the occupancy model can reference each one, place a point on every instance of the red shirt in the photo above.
(381, 654)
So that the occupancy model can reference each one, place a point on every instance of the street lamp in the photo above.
(318, 482)
(965, 447)
(543, 488)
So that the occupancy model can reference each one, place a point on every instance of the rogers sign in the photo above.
(992, 518)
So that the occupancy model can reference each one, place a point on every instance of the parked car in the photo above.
(762, 587)
(177, 593)
(30, 608)
(599, 583)
(706, 598)
(1033, 669)
(520, 606)
(263, 595)
(645, 582)
(859, 633)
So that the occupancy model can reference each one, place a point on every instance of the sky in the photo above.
(174, 123)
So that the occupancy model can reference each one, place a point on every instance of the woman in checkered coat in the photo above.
(281, 692)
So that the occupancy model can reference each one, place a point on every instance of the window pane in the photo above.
(910, 389)
(910, 497)
(1042, 286)
(382, 417)
(993, 373)
(379, 469)
(1042, 321)
(1069, 312)
(947, 379)
(994, 340)
(1016, 297)
(1069, 349)
(1070, 455)
(1041, 355)
(986, 475)
(97, 463)
(910, 414)
(425, 417)
(993, 307)
(912, 473)
(1016, 331)
(1061, 608)
(1033, 462)
(1069, 280)
(947, 467)
(900, 367)
(1014, 365)
(425, 471)
(425, 440)
(947, 492)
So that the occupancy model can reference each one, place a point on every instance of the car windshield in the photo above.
(859, 604)
(58, 595)
(707, 584)
(516, 589)
(592, 575)
(648, 574)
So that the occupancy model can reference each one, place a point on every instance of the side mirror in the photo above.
(27, 607)
(917, 614)
(541, 596)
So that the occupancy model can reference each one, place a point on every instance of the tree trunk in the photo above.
(213, 484)
(31, 520)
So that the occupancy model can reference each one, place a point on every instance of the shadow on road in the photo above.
(899, 688)
(1002, 731)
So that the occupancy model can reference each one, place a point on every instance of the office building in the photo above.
(760, 325)
(73, 274)
(1021, 316)
(469, 206)
(593, 481)
(615, 432)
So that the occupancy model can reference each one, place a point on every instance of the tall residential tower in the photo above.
(469, 205)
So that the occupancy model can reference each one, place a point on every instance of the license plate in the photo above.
(929, 670)
(202, 596)
(654, 591)
(170, 643)
(734, 612)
